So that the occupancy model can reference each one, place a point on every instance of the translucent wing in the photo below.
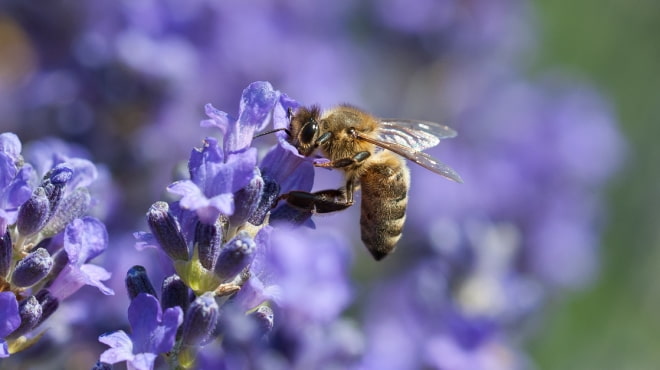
(418, 135)
(416, 156)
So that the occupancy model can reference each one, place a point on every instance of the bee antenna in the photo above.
(272, 131)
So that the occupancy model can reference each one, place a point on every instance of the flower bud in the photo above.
(6, 252)
(265, 320)
(235, 256)
(208, 239)
(247, 200)
(48, 304)
(31, 269)
(175, 293)
(167, 232)
(269, 193)
(54, 182)
(137, 281)
(30, 311)
(34, 213)
(75, 205)
(200, 320)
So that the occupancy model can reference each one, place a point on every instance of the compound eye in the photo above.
(309, 131)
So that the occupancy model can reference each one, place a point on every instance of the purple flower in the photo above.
(49, 241)
(153, 333)
(84, 239)
(216, 174)
(256, 107)
(10, 319)
(213, 181)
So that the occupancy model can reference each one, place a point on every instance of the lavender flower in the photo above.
(214, 232)
(153, 334)
(47, 241)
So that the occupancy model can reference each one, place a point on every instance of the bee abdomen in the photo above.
(384, 199)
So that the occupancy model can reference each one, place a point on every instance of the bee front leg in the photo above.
(359, 157)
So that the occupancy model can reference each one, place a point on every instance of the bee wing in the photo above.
(418, 135)
(416, 156)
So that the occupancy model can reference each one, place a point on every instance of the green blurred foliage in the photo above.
(616, 324)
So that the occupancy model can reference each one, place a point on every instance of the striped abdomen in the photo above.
(384, 198)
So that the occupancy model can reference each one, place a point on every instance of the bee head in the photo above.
(304, 129)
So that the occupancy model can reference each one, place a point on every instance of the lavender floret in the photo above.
(167, 231)
(137, 281)
(208, 239)
(269, 194)
(249, 198)
(237, 254)
(200, 321)
(33, 214)
(30, 311)
(175, 293)
(31, 269)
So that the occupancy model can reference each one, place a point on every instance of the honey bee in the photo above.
(370, 151)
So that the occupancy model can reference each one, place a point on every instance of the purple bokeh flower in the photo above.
(153, 333)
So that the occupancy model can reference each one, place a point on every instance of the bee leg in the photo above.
(344, 162)
(324, 201)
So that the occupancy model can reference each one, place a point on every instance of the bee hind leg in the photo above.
(324, 201)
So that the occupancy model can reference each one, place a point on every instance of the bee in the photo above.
(370, 151)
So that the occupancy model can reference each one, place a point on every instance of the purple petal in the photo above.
(290, 171)
(149, 333)
(8, 170)
(281, 120)
(10, 144)
(255, 292)
(238, 172)
(95, 275)
(4, 349)
(165, 335)
(84, 239)
(217, 119)
(144, 240)
(143, 314)
(143, 361)
(73, 277)
(257, 103)
(192, 196)
(9, 313)
(205, 163)
(121, 347)
(84, 173)
(223, 203)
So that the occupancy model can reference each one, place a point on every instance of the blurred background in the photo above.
(555, 104)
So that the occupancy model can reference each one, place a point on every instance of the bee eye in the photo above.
(309, 131)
